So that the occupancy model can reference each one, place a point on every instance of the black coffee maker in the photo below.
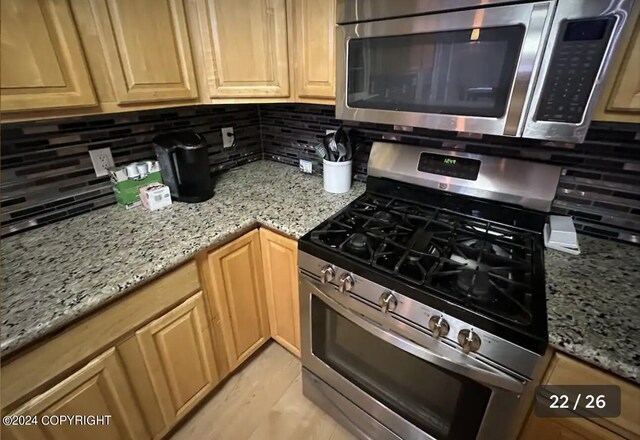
(184, 165)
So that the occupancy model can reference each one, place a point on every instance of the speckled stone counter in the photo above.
(593, 304)
(57, 273)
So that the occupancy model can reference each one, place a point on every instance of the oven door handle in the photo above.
(484, 376)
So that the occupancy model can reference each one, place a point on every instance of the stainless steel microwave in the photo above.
(498, 67)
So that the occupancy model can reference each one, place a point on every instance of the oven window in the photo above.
(443, 404)
(467, 72)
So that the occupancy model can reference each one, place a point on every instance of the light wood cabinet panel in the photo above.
(565, 429)
(564, 370)
(620, 100)
(146, 49)
(23, 376)
(238, 293)
(245, 47)
(314, 28)
(280, 262)
(43, 65)
(178, 355)
(100, 388)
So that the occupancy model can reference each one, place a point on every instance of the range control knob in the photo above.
(438, 326)
(327, 274)
(387, 302)
(468, 340)
(346, 282)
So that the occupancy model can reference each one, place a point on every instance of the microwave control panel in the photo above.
(574, 65)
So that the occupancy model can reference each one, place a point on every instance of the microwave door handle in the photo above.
(526, 69)
(483, 376)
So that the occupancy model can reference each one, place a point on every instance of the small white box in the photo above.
(560, 234)
(155, 196)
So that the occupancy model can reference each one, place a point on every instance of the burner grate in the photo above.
(479, 264)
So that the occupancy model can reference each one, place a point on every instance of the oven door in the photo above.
(410, 383)
(470, 70)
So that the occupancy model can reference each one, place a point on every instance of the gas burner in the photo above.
(476, 263)
(385, 217)
(358, 245)
(481, 245)
(475, 283)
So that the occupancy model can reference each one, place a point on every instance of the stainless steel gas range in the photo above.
(422, 302)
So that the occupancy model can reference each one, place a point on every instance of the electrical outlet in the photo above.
(306, 166)
(101, 160)
(228, 138)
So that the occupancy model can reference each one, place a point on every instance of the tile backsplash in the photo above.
(47, 174)
(599, 186)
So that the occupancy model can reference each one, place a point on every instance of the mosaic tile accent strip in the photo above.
(47, 174)
(599, 186)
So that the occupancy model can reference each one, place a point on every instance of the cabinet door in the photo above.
(239, 295)
(245, 44)
(146, 48)
(621, 96)
(178, 356)
(100, 388)
(43, 65)
(314, 28)
(565, 429)
(280, 263)
(626, 96)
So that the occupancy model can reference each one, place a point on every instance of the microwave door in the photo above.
(464, 71)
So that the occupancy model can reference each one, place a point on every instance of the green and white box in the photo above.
(126, 180)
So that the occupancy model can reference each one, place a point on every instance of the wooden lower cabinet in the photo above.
(238, 294)
(280, 263)
(99, 388)
(564, 370)
(178, 357)
(565, 429)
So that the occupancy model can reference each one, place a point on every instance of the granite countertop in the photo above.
(57, 273)
(593, 304)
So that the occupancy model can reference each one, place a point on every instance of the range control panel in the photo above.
(452, 166)
(577, 57)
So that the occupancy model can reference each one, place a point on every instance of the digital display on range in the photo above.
(451, 166)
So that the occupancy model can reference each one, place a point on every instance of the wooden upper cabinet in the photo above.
(314, 29)
(43, 65)
(178, 355)
(620, 100)
(146, 48)
(280, 262)
(238, 293)
(100, 388)
(245, 47)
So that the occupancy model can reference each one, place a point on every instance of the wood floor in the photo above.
(262, 401)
